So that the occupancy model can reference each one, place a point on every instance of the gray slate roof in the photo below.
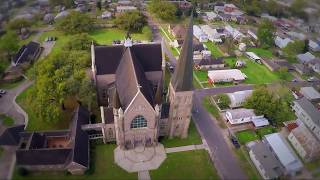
(308, 107)
(11, 136)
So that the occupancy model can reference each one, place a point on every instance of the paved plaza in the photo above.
(140, 158)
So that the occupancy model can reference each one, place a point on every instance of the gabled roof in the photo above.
(130, 79)
(42, 156)
(182, 77)
(308, 107)
(25, 51)
(11, 136)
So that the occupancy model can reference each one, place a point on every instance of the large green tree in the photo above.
(79, 42)
(266, 33)
(19, 24)
(132, 21)
(297, 8)
(8, 44)
(75, 23)
(163, 9)
(294, 48)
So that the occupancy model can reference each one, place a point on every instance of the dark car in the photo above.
(235, 142)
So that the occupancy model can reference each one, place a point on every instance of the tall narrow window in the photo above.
(139, 122)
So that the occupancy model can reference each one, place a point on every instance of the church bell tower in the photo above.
(180, 89)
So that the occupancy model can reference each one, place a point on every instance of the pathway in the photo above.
(143, 175)
(185, 148)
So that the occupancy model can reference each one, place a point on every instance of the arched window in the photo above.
(139, 122)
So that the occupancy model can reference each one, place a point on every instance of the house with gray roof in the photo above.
(265, 161)
(282, 150)
(310, 93)
(308, 114)
(305, 58)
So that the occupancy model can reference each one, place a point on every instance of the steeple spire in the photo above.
(182, 77)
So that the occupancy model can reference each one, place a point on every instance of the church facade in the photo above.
(135, 108)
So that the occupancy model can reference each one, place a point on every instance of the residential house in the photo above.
(227, 75)
(210, 63)
(315, 65)
(253, 57)
(177, 31)
(283, 152)
(242, 115)
(242, 47)
(305, 143)
(212, 34)
(296, 35)
(265, 161)
(284, 63)
(252, 34)
(302, 68)
(106, 15)
(310, 93)
(305, 58)
(199, 34)
(121, 9)
(234, 33)
(212, 16)
(238, 98)
(27, 53)
(270, 64)
(282, 42)
(308, 114)
(314, 46)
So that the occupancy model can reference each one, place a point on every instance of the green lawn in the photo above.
(265, 130)
(215, 51)
(106, 36)
(103, 167)
(195, 83)
(201, 75)
(264, 53)
(36, 124)
(186, 165)
(246, 136)
(193, 138)
(10, 85)
(6, 120)
(245, 165)
(256, 73)
(62, 39)
(213, 110)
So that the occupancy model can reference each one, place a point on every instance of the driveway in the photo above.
(224, 159)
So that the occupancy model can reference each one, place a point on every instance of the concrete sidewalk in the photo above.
(185, 148)
(143, 175)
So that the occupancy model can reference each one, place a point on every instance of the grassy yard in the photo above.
(195, 83)
(201, 75)
(256, 73)
(246, 136)
(36, 124)
(193, 138)
(62, 39)
(264, 53)
(6, 120)
(265, 130)
(215, 51)
(213, 110)
(103, 167)
(10, 85)
(245, 161)
(106, 36)
(186, 165)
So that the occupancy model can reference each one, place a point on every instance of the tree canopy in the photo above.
(132, 21)
(264, 102)
(75, 23)
(163, 9)
(294, 48)
(18, 24)
(266, 33)
(80, 42)
(8, 44)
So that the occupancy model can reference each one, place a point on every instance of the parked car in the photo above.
(235, 142)
(3, 91)
(294, 80)
(312, 79)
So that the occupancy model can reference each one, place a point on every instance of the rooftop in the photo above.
(309, 108)
(310, 93)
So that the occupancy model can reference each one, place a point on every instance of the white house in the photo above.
(308, 114)
(227, 75)
(284, 153)
(305, 143)
(253, 57)
(242, 115)
(252, 34)
(121, 9)
(282, 42)
(212, 34)
(211, 16)
(314, 46)
(235, 34)
(199, 34)
(238, 98)
(106, 15)
(310, 93)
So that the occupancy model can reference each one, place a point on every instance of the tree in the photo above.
(79, 42)
(163, 10)
(99, 5)
(297, 9)
(8, 44)
(283, 73)
(223, 101)
(75, 23)
(270, 105)
(273, 8)
(253, 8)
(294, 48)
(266, 33)
(132, 21)
(19, 24)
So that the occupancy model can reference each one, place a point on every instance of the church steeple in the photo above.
(182, 77)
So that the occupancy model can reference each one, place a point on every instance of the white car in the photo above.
(2, 91)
